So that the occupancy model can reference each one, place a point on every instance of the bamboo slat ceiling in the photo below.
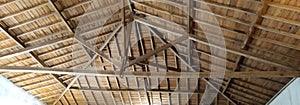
(259, 35)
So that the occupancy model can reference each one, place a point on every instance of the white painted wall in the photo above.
(10, 94)
(289, 96)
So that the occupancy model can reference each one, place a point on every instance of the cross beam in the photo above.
(140, 90)
(91, 72)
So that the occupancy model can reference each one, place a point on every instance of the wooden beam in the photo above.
(235, 51)
(101, 27)
(110, 37)
(77, 5)
(32, 20)
(224, 17)
(36, 47)
(186, 62)
(91, 72)
(197, 30)
(39, 29)
(35, 57)
(98, 52)
(279, 43)
(141, 90)
(26, 10)
(96, 10)
(161, 11)
(210, 3)
(213, 86)
(3, 4)
(140, 48)
(279, 19)
(46, 37)
(284, 6)
(60, 16)
(261, 11)
(275, 31)
(151, 53)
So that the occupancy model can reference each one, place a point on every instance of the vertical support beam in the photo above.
(90, 55)
(216, 100)
(98, 83)
(73, 98)
(126, 79)
(66, 100)
(168, 80)
(155, 61)
(146, 89)
(190, 16)
(138, 38)
(198, 89)
(258, 20)
(82, 92)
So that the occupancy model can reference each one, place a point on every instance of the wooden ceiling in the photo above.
(67, 52)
